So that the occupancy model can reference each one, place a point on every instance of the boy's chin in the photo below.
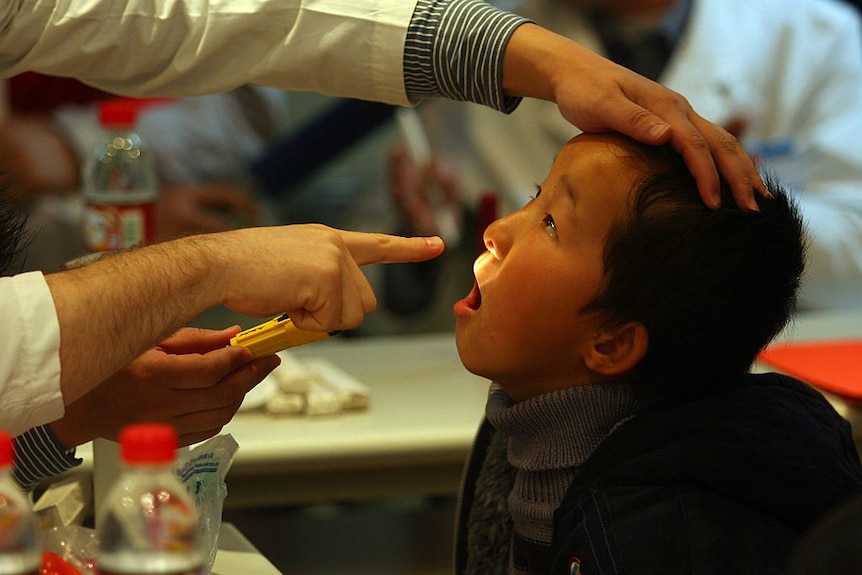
(476, 365)
(462, 344)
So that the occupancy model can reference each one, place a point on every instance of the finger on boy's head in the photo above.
(694, 149)
(734, 164)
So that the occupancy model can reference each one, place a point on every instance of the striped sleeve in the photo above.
(38, 456)
(455, 49)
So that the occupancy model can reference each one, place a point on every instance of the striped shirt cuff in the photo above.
(455, 49)
(38, 456)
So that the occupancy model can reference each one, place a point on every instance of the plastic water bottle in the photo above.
(120, 183)
(20, 538)
(148, 523)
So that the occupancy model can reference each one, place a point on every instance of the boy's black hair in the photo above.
(712, 287)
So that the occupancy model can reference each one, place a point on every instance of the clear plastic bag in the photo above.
(203, 470)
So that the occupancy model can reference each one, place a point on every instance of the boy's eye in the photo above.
(549, 224)
(537, 194)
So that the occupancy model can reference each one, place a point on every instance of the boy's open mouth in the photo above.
(474, 298)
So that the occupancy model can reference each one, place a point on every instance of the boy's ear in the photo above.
(617, 351)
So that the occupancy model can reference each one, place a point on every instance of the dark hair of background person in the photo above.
(712, 287)
(12, 225)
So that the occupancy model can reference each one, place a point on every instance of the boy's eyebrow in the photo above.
(569, 188)
(566, 187)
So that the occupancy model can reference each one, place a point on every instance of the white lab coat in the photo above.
(793, 68)
(200, 47)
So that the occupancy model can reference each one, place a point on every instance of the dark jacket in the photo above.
(718, 485)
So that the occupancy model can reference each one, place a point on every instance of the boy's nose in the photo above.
(498, 237)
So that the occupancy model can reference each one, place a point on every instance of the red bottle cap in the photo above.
(148, 443)
(118, 113)
(7, 450)
(123, 112)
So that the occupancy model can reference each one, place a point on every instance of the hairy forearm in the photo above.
(114, 309)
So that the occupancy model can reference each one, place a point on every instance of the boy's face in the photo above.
(522, 324)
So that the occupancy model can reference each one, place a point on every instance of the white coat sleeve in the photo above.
(188, 47)
(30, 391)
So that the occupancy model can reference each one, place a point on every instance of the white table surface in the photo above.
(237, 556)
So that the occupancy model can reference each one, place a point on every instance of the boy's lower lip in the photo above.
(462, 308)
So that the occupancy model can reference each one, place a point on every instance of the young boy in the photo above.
(618, 317)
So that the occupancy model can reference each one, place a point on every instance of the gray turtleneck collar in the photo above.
(559, 429)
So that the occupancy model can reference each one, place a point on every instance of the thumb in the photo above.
(197, 340)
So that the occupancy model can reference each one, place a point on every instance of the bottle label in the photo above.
(111, 227)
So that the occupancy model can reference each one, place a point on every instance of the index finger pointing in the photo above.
(372, 248)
